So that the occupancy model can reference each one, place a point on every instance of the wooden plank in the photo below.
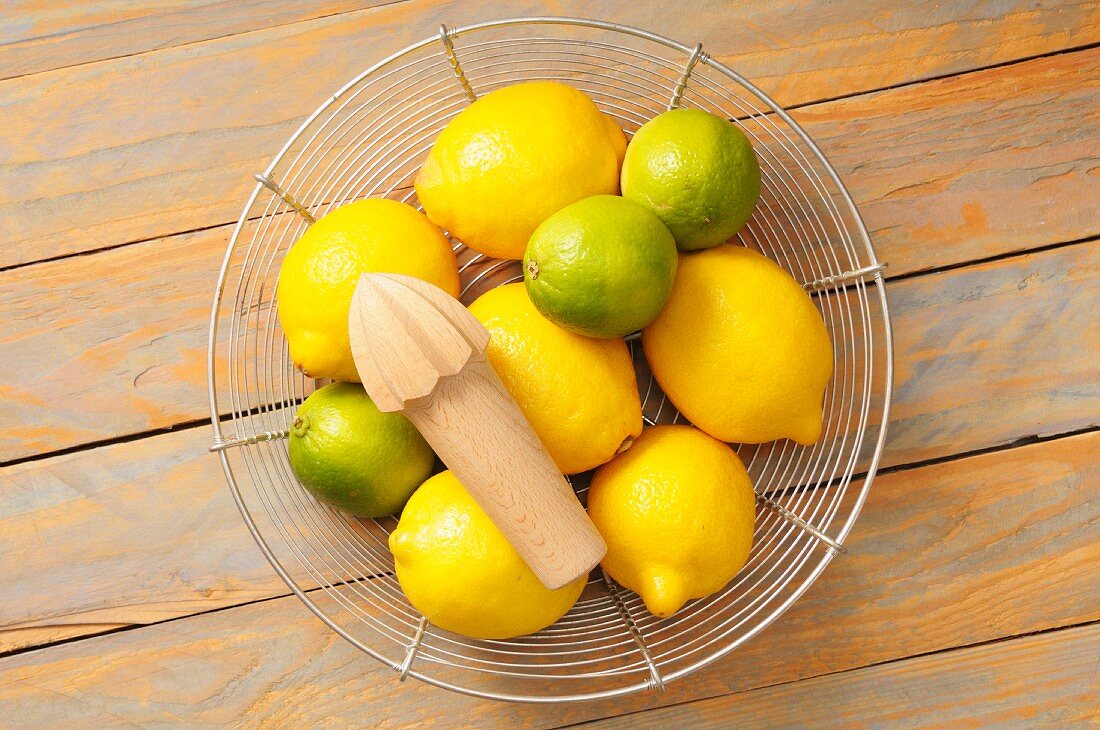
(108, 344)
(128, 327)
(985, 355)
(38, 37)
(159, 143)
(969, 167)
(992, 545)
(993, 353)
(129, 533)
(1037, 681)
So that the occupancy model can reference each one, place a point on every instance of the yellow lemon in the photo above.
(320, 271)
(579, 393)
(514, 157)
(740, 348)
(677, 512)
(458, 569)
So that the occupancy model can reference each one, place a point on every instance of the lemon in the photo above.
(512, 158)
(741, 349)
(697, 172)
(351, 455)
(320, 271)
(459, 570)
(601, 267)
(677, 512)
(579, 393)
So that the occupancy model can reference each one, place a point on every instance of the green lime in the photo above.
(602, 267)
(351, 455)
(697, 172)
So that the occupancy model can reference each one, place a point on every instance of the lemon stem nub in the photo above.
(533, 269)
(301, 426)
(626, 444)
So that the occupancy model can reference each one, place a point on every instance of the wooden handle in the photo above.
(419, 351)
(484, 439)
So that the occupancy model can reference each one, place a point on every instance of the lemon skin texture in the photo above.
(462, 574)
(580, 394)
(514, 157)
(319, 274)
(740, 348)
(677, 512)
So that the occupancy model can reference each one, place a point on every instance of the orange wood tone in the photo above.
(119, 338)
(1034, 681)
(167, 141)
(967, 136)
(956, 553)
(51, 36)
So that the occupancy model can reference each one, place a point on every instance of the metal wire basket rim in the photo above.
(863, 236)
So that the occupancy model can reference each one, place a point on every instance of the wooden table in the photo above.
(969, 135)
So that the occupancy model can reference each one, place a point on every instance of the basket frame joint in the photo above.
(696, 56)
(411, 650)
(268, 182)
(447, 35)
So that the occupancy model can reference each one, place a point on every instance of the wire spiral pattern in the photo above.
(369, 139)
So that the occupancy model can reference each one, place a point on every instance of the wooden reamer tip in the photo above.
(420, 352)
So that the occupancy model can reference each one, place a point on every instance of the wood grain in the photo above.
(971, 166)
(41, 37)
(153, 144)
(119, 337)
(994, 545)
(124, 534)
(985, 355)
(109, 344)
(420, 352)
(995, 352)
(1034, 681)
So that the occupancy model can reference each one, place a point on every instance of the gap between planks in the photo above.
(940, 77)
(196, 422)
(1031, 440)
(791, 107)
(640, 714)
(181, 617)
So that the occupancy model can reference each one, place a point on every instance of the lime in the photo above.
(603, 266)
(697, 172)
(351, 455)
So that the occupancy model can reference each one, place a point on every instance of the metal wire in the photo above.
(369, 139)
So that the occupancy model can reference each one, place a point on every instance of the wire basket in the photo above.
(369, 139)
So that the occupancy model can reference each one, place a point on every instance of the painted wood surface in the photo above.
(164, 142)
(129, 533)
(994, 545)
(1034, 681)
(995, 352)
(971, 166)
(154, 148)
(119, 337)
(38, 36)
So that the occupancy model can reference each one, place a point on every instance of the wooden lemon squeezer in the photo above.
(420, 352)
